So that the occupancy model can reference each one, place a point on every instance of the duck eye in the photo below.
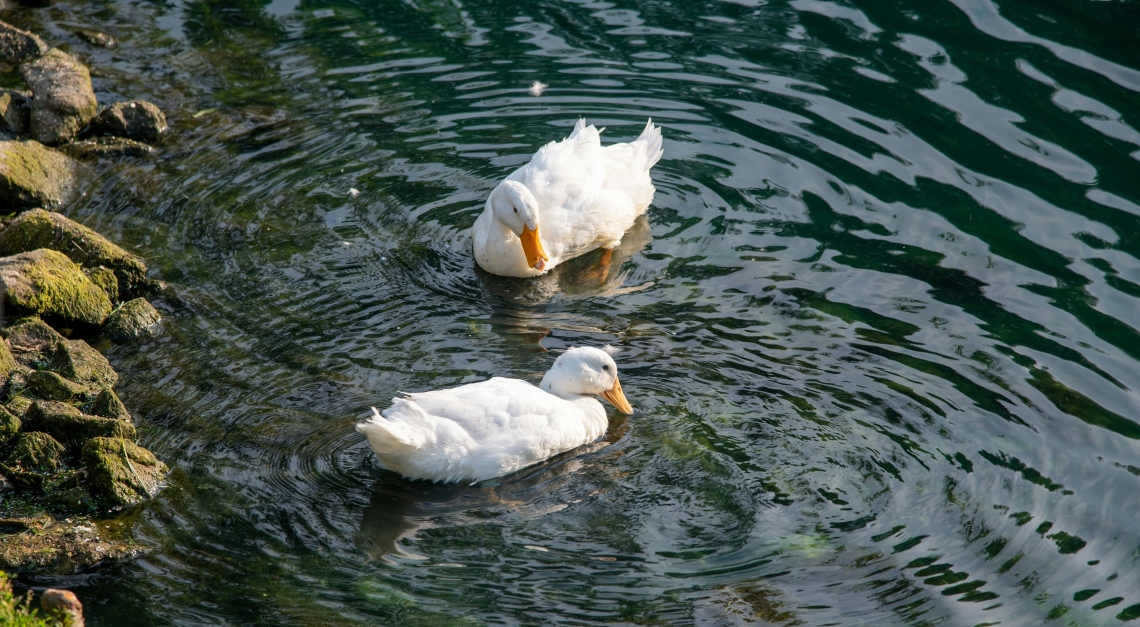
(516, 209)
(606, 367)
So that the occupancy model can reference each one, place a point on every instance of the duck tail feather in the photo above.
(653, 143)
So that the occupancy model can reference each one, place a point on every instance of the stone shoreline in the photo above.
(67, 450)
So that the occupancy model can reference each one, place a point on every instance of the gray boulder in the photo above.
(138, 119)
(33, 175)
(63, 101)
(134, 318)
(19, 46)
(47, 283)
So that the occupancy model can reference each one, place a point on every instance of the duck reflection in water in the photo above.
(526, 309)
(400, 508)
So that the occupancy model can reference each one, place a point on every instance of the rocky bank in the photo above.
(68, 456)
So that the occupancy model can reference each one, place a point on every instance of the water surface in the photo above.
(880, 324)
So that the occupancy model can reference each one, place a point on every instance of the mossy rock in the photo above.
(33, 175)
(49, 284)
(76, 360)
(14, 109)
(18, 405)
(108, 405)
(7, 362)
(121, 473)
(134, 318)
(36, 229)
(72, 427)
(36, 452)
(9, 425)
(105, 278)
(50, 386)
(32, 342)
(19, 46)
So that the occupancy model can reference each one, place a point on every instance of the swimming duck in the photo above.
(485, 430)
(573, 196)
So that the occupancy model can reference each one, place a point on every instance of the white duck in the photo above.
(573, 196)
(488, 429)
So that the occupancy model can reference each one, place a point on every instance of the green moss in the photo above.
(108, 405)
(7, 363)
(76, 360)
(50, 386)
(47, 283)
(122, 473)
(71, 427)
(106, 280)
(33, 175)
(9, 425)
(36, 452)
(134, 318)
(36, 229)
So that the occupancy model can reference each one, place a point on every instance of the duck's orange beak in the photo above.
(532, 248)
(616, 398)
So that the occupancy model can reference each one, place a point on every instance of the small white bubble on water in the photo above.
(536, 88)
(352, 191)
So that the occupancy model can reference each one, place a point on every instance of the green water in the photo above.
(881, 324)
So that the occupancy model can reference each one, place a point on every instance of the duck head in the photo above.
(586, 371)
(516, 208)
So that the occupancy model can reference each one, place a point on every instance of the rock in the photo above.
(49, 284)
(18, 405)
(7, 363)
(96, 38)
(63, 101)
(36, 452)
(137, 119)
(15, 109)
(46, 546)
(134, 318)
(36, 229)
(122, 473)
(50, 386)
(107, 147)
(32, 342)
(105, 279)
(33, 175)
(9, 425)
(63, 603)
(71, 427)
(19, 46)
(76, 360)
(108, 405)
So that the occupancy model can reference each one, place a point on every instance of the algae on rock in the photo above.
(50, 386)
(122, 473)
(76, 360)
(72, 427)
(46, 229)
(33, 175)
(133, 318)
(47, 283)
